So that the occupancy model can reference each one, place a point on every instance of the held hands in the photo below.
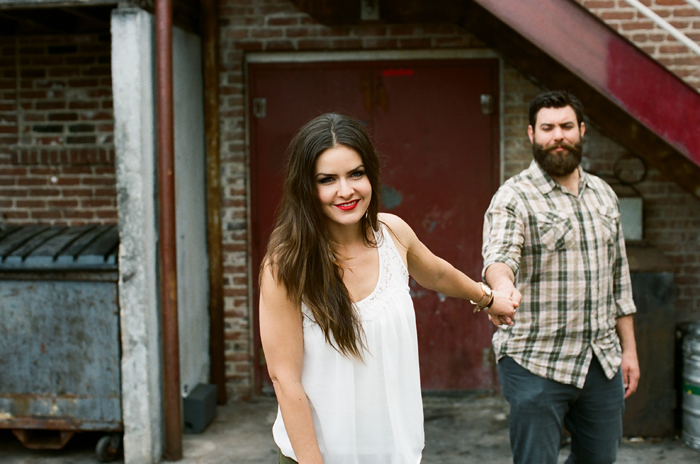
(502, 311)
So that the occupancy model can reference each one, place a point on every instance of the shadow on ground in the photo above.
(458, 430)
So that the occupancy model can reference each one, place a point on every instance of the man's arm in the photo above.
(630, 363)
(502, 244)
(500, 277)
(624, 308)
(503, 239)
(436, 274)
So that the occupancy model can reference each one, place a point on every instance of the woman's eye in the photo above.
(325, 180)
(358, 173)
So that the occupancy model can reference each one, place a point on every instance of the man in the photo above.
(552, 240)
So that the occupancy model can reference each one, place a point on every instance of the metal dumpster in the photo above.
(59, 335)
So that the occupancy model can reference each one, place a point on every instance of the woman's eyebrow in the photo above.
(323, 174)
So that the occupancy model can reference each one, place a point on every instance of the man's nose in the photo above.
(557, 133)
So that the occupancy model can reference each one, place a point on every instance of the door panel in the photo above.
(440, 162)
(440, 168)
(293, 94)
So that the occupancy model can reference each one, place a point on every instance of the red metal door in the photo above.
(440, 149)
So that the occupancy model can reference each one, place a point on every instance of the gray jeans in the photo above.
(282, 459)
(539, 408)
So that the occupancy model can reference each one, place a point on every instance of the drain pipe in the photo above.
(167, 232)
(210, 48)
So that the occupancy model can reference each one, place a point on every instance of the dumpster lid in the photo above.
(55, 247)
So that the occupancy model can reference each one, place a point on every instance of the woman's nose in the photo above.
(344, 188)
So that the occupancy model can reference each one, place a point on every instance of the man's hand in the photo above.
(501, 279)
(630, 372)
(500, 320)
(503, 309)
(630, 363)
(515, 296)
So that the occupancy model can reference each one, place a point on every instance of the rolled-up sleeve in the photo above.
(503, 233)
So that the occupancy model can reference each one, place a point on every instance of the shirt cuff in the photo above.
(625, 307)
(512, 263)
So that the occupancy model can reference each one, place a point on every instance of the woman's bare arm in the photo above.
(282, 339)
(436, 274)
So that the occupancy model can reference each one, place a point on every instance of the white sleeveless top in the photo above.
(367, 412)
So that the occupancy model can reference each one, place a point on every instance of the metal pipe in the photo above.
(210, 54)
(663, 24)
(694, 3)
(167, 231)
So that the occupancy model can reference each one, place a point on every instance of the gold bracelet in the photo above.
(488, 296)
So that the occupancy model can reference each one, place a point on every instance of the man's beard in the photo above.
(558, 164)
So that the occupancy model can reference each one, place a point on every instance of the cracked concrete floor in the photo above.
(464, 430)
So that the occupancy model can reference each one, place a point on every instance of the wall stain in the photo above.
(391, 198)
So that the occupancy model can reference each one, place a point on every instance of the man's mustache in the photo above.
(565, 145)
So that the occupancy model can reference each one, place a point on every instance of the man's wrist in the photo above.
(504, 287)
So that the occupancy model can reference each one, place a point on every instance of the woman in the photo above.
(336, 318)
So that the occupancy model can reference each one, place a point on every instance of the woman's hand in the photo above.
(502, 311)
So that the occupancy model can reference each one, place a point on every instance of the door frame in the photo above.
(340, 56)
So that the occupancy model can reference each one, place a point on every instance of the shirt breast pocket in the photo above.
(609, 220)
(556, 231)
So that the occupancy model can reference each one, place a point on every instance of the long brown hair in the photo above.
(299, 250)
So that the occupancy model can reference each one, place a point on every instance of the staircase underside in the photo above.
(560, 44)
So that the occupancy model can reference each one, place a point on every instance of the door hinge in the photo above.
(259, 107)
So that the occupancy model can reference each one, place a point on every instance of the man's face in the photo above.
(557, 140)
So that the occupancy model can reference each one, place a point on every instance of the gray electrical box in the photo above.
(632, 217)
(199, 408)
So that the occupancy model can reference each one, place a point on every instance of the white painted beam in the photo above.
(134, 140)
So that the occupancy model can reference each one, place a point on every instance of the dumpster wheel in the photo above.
(108, 447)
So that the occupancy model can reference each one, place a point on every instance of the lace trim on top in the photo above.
(393, 275)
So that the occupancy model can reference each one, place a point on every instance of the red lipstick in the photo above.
(349, 206)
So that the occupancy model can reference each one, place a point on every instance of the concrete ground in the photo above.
(462, 430)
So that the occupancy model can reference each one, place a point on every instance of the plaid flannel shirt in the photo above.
(568, 257)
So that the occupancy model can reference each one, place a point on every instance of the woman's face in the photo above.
(342, 184)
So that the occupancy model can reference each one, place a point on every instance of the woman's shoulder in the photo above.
(397, 227)
(392, 220)
(273, 289)
(269, 276)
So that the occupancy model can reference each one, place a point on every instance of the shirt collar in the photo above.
(546, 184)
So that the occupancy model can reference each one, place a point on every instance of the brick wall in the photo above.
(56, 130)
(663, 47)
(672, 216)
